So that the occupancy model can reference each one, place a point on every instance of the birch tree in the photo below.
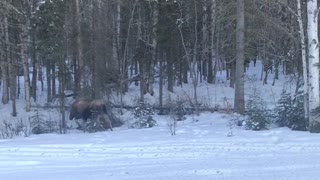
(313, 57)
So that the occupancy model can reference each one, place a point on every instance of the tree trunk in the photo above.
(24, 57)
(13, 84)
(5, 60)
(313, 40)
(239, 103)
(116, 46)
(161, 83)
(124, 60)
(155, 18)
(40, 77)
(185, 68)
(170, 70)
(49, 87)
(232, 74)
(205, 43)
(95, 34)
(304, 61)
(61, 75)
(142, 81)
(53, 81)
(194, 66)
(212, 33)
(79, 46)
(34, 69)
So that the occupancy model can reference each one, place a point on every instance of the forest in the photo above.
(93, 48)
(165, 89)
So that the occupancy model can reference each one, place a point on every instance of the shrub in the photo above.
(143, 113)
(40, 124)
(257, 114)
(95, 125)
(290, 111)
(14, 127)
(284, 109)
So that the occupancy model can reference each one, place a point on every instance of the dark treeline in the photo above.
(93, 47)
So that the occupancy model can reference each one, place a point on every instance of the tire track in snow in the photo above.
(141, 161)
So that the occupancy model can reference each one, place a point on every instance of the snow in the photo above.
(206, 147)
(200, 150)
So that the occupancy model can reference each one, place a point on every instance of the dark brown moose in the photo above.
(89, 109)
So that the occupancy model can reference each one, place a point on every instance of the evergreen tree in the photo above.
(257, 114)
(290, 111)
(143, 113)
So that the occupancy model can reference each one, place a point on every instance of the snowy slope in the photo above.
(201, 150)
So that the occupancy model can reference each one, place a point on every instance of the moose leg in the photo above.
(78, 123)
(84, 125)
(107, 121)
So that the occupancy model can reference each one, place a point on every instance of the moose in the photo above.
(89, 109)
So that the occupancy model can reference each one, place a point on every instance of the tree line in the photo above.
(93, 47)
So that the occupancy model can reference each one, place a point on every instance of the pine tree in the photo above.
(258, 116)
(143, 113)
(283, 109)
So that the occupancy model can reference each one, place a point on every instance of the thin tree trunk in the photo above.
(194, 70)
(53, 81)
(212, 33)
(40, 77)
(304, 61)
(116, 35)
(185, 72)
(13, 84)
(217, 58)
(124, 60)
(34, 69)
(61, 75)
(154, 46)
(142, 64)
(312, 8)
(95, 37)
(170, 73)
(48, 77)
(192, 59)
(239, 104)
(79, 45)
(205, 43)
(5, 60)
(161, 83)
(265, 80)
(232, 74)
(24, 56)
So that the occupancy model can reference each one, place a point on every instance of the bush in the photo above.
(284, 109)
(95, 125)
(257, 114)
(14, 127)
(143, 113)
(41, 125)
(290, 111)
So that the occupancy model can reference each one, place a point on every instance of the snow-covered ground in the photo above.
(205, 147)
(201, 149)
